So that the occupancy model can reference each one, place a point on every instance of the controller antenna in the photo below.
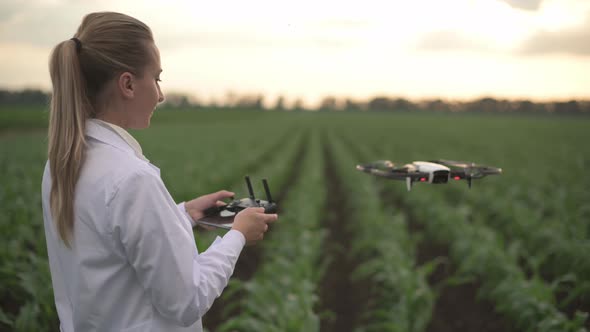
(268, 197)
(250, 191)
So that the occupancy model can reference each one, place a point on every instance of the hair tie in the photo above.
(78, 44)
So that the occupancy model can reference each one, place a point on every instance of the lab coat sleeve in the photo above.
(182, 284)
(182, 209)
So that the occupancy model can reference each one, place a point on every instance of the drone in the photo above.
(434, 171)
(223, 216)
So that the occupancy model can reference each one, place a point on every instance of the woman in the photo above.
(122, 253)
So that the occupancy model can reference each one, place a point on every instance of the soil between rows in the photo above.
(457, 307)
(342, 297)
(250, 257)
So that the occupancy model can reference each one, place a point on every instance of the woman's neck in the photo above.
(116, 118)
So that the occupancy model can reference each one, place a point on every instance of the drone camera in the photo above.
(440, 177)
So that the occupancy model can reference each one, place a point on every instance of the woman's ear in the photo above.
(126, 86)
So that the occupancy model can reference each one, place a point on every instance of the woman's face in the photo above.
(147, 92)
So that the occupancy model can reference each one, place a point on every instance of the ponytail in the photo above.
(67, 118)
(105, 44)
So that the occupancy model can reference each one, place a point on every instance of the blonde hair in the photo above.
(105, 45)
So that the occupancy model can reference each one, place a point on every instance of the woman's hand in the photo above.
(253, 223)
(197, 206)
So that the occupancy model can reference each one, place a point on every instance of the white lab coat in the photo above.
(133, 265)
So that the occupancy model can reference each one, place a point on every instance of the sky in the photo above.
(309, 49)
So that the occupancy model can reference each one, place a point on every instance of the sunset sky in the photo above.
(452, 49)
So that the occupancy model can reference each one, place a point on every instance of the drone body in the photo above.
(434, 171)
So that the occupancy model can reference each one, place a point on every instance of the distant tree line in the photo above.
(24, 97)
(481, 105)
(334, 104)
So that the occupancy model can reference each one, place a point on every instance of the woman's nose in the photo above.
(160, 96)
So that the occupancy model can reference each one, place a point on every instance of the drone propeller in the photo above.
(383, 164)
(469, 174)
(379, 165)
(468, 170)
(479, 171)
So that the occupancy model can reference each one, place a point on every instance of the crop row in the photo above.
(480, 252)
(546, 245)
(523, 235)
(401, 299)
(468, 220)
(282, 294)
(194, 159)
(273, 167)
(25, 287)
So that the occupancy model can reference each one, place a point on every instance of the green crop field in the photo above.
(351, 252)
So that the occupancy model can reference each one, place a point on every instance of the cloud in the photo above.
(449, 40)
(573, 41)
(532, 5)
(8, 9)
(43, 24)
(40, 25)
(341, 23)
(264, 34)
(246, 40)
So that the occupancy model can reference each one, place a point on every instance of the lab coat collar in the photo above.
(103, 131)
(109, 136)
(99, 132)
(126, 136)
